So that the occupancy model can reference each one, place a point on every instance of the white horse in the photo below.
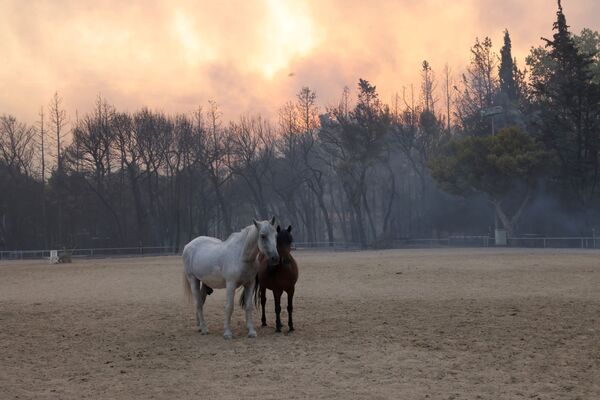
(229, 264)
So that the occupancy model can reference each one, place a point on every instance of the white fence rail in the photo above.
(91, 253)
(463, 241)
(452, 241)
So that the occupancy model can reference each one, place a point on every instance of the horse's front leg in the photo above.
(277, 295)
(290, 308)
(248, 292)
(230, 291)
(263, 303)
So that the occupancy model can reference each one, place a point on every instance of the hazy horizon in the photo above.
(249, 58)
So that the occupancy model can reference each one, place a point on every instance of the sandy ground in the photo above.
(398, 324)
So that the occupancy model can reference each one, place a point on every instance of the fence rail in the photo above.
(91, 253)
(463, 241)
(452, 241)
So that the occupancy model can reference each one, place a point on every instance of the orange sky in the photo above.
(249, 56)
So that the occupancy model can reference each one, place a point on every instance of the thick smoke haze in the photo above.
(250, 57)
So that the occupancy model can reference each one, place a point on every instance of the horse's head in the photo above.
(267, 240)
(284, 240)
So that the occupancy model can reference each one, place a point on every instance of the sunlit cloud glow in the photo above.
(249, 57)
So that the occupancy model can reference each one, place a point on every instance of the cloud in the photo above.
(250, 57)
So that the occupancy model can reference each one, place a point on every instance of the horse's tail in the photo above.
(187, 290)
(255, 294)
(243, 298)
(256, 287)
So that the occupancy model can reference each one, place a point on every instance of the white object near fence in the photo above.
(53, 257)
(500, 237)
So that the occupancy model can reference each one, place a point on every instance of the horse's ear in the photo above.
(255, 223)
(289, 229)
(273, 220)
(278, 228)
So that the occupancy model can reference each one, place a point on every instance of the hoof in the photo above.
(203, 331)
(252, 334)
(263, 324)
(291, 329)
(227, 336)
(278, 330)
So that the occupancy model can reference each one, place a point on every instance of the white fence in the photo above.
(452, 241)
(462, 241)
(91, 253)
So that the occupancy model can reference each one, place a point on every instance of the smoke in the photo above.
(545, 215)
(248, 56)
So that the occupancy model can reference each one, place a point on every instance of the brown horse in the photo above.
(279, 278)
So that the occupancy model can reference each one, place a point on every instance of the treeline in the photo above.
(499, 146)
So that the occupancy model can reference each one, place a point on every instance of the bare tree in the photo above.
(215, 148)
(288, 172)
(316, 169)
(93, 138)
(16, 146)
(125, 143)
(251, 153)
(354, 143)
(178, 160)
(42, 139)
(428, 87)
(448, 85)
(479, 85)
(42, 136)
(58, 123)
(153, 132)
(58, 120)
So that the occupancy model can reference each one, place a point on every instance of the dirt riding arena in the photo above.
(398, 324)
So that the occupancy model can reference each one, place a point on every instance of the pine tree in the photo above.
(507, 69)
(569, 102)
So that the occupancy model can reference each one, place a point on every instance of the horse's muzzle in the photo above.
(274, 260)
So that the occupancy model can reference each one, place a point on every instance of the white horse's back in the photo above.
(202, 259)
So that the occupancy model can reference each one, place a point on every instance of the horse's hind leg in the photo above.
(230, 287)
(290, 308)
(277, 296)
(200, 309)
(199, 293)
(263, 303)
(248, 291)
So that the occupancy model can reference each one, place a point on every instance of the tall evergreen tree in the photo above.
(569, 102)
(508, 85)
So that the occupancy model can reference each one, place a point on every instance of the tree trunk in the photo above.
(321, 201)
(509, 222)
(139, 207)
(388, 212)
(223, 206)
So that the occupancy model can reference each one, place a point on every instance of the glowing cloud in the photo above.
(248, 56)
(288, 32)
(196, 50)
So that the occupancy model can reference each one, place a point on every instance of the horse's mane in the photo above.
(248, 237)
